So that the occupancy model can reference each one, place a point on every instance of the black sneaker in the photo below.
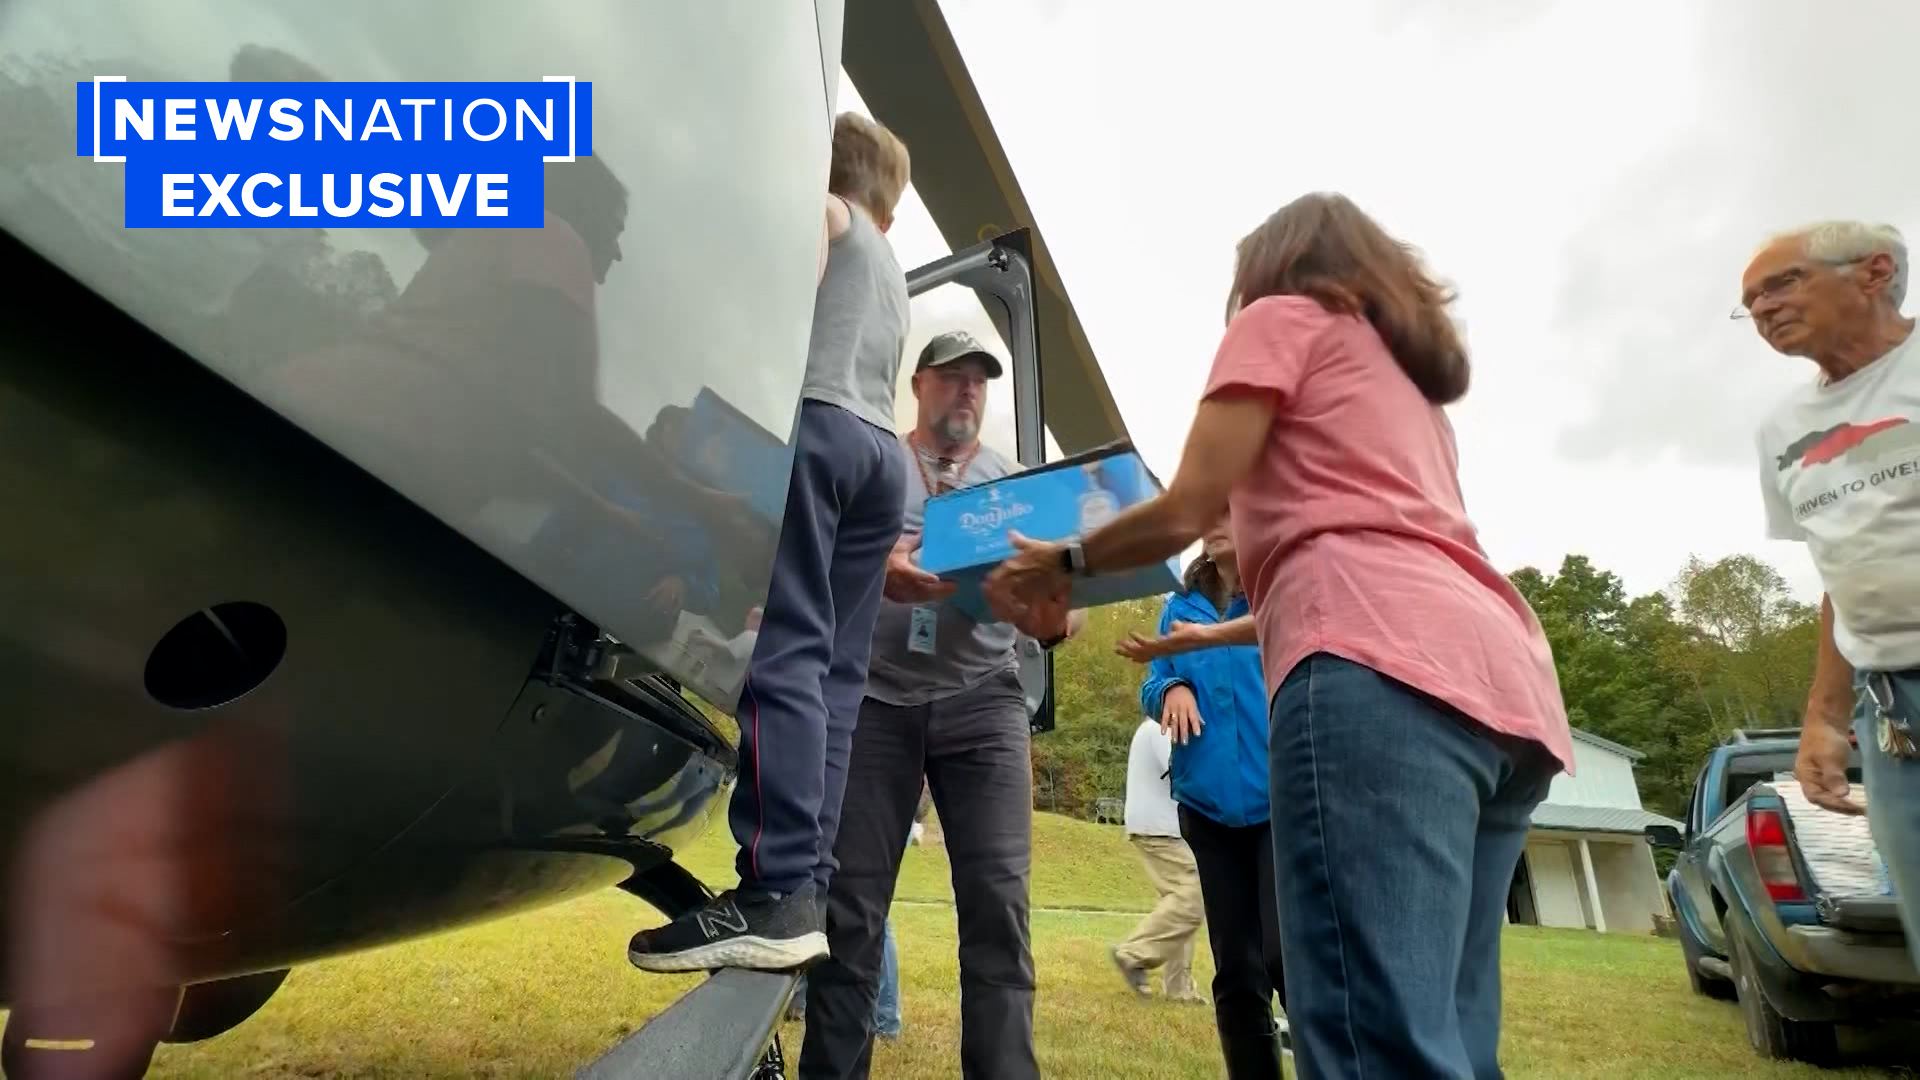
(759, 931)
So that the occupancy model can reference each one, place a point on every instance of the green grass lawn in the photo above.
(539, 994)
(1076, 865)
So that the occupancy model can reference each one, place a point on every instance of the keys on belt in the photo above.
(1892, 726)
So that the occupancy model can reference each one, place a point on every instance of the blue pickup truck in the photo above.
(1783, 906)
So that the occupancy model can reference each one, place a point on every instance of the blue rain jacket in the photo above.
(1222, 773)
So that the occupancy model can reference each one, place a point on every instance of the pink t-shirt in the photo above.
(1352, 535)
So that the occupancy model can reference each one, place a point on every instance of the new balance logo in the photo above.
(721, 918)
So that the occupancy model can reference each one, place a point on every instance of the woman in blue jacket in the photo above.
(1212, 702)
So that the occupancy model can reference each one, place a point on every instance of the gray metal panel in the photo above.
(830, 15)
(1561, 817)
(1627, 752)
(718, 1031)
(903, 58)
(532, 409)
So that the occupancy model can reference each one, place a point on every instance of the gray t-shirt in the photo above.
(860, 316)
(965, 653)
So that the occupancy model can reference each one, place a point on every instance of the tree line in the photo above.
(1669, 673)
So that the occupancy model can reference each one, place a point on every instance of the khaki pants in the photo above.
(1164, 939)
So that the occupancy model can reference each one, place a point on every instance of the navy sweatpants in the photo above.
(845, 506)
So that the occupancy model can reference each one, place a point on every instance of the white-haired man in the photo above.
(1840, 471)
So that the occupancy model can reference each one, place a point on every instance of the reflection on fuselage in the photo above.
(496, 333)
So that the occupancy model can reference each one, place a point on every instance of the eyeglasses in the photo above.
(1785, 282)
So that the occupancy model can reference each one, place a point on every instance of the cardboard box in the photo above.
(965, 535)
(724, 449)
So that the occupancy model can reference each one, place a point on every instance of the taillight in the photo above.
(1767, 839)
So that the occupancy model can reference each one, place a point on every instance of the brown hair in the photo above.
(1323, 247)
(1203, 577)
(870, 165)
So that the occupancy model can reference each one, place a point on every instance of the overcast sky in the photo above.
(1592, 176)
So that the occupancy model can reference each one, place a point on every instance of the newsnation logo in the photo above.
(364, 155)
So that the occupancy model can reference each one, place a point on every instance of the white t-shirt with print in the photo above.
(1840, 471)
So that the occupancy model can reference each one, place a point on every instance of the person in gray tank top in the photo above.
(845, 503)
(859, 321)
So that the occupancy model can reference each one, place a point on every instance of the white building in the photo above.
(1587, 862)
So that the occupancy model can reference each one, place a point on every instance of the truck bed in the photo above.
(1838, 849)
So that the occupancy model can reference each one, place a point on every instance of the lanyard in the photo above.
(958, 466)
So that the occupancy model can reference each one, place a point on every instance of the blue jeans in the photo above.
(1397, 824)
(1893, 798)
(886, 1007)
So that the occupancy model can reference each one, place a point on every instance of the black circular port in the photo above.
(216, 655)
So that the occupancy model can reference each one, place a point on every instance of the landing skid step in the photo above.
(723, 1029)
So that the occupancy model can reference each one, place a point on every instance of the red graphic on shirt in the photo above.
(1820, 447)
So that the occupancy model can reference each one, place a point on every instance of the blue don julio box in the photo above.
(965, 535)
(723, 448)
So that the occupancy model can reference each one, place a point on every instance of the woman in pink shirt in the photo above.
(1416, 717)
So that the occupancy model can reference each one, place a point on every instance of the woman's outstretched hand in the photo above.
(1182, 637)
(1033, 578)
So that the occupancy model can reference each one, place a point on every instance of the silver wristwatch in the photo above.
(1074, 559)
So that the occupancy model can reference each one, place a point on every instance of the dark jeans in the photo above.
(1397, 823)
(1237, 890)
(886, 1007)
(972, 749)
(809, 669)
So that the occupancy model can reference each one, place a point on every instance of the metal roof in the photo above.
(1591, 739)
(902, 58)
(1605, 819)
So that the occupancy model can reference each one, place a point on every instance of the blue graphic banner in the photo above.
(202, 155)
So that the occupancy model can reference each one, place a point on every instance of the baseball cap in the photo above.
(955, 345)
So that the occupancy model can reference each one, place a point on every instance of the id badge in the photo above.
(920, 635)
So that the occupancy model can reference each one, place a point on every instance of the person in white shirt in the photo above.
(1165, 938)
(1840, 472)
